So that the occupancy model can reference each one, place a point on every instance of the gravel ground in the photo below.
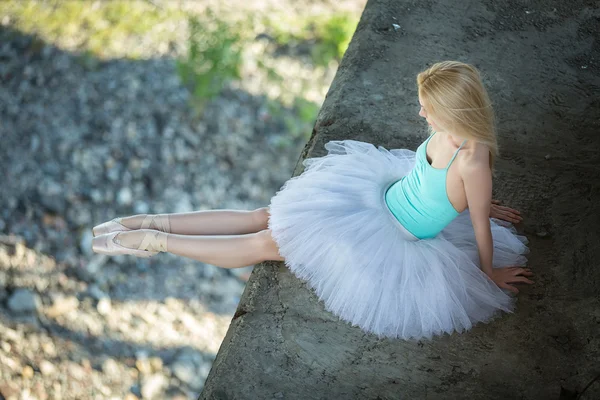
(83, 143)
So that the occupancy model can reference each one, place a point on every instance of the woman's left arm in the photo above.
(477, 179)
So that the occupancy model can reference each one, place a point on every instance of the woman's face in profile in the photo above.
(423, 113)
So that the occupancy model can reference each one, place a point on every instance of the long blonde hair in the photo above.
(459, 102)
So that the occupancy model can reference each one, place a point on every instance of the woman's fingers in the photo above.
(508, 209)
(517, 269)
(509, 287)
(511, 214)
(518, 279)
(506, 215)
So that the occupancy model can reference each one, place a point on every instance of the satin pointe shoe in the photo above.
(160, 221)
(152, 243)
(113, 225)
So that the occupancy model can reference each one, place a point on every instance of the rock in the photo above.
(24, 301)
(62, 305)
(104, 306)
(125, 196)
(153, 385)
(542, 233)
(141, 207)
(27, 372)
(111, 368)
(97, 261)
(186, 369)
(85, 242)
(9, 390)
(184, 204)
(79, 215)
(96, 293)
(143, 365)
(97, 196)
(47, 368)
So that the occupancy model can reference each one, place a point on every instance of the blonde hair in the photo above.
(459, 102)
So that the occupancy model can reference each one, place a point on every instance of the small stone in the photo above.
(110, 367)
(97, 196)
(96, 293)
(141, 207)
(125, 196)
(63, 305)
(27, 372)
(96, 263)
(547, 156)
(113, 174)
(85, 242)
(153, 385)
(47, 368)
(542, 233)
(156, 363)
(24, 301)
(143, 365)
(104, 306)
(9, 390)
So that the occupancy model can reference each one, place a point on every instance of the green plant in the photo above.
(98, 27)
(333, 37)
(330, 34)
(307, 110)
(214, 56)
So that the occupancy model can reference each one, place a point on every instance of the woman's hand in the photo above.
(505, 275)
(504, 213)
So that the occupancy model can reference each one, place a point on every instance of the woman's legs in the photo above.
(205, 222)
(226, 251)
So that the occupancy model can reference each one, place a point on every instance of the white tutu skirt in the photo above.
(336, 233)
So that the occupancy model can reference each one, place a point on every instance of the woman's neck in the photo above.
(454, 140)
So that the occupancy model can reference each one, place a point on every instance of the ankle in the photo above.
(158, 222)
(154, 240)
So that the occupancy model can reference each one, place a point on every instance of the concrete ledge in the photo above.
(541, 63)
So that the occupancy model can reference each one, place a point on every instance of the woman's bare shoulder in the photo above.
(475, 157)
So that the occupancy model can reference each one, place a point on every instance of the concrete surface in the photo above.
(540, 61)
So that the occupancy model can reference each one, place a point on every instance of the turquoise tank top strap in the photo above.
(455, 153)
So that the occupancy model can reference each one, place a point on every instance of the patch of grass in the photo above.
(95, 26)
(214, 56)
(331, 35)
(307, 110)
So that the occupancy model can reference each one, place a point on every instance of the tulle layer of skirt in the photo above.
(336, 233)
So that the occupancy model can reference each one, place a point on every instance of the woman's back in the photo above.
(420, 200)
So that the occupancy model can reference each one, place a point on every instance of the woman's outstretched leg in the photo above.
(227, 251)
(204, 222)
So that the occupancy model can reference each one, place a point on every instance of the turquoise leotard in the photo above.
(419, 200)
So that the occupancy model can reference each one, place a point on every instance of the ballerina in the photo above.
(404, 244)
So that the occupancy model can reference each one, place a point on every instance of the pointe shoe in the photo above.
(113, 225)
(155, 240)
(161, 221)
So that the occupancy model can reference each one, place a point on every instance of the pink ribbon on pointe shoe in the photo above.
(160, 221)
(154, 241)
